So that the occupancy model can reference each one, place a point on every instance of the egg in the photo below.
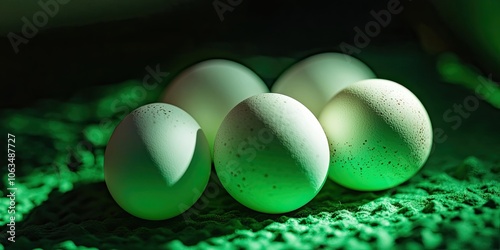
(210, 89)
(271, 154)
(380, 135)
(157, 162)
(316, 79)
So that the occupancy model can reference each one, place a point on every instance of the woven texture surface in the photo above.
(63, 202)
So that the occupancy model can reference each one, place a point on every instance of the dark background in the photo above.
(59, 61)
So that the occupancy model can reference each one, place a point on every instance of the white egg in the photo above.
(210, 89)
(271, 153)
(380, 135)
(316, 79)
(157, 162)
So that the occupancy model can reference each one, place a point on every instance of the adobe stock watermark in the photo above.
(248, 150)
(222, 7)
(11, 187)
(150, 82)
(121, 106)
(462, 111)
(30, 27)
(363, 36)
(211, 191)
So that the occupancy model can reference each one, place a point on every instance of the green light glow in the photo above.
(157, 162)
(77, 112)
(476, 22)
(266, 166)
(380, 135)
(452, 203)
(210, 89)
(17, 122)
(98, 135)
(316, 79)
(269, 67)
(454, 71)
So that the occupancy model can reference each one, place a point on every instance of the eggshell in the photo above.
(380, 135)
(157, 162)
(271, 153)
(316, 79)
(210, 89)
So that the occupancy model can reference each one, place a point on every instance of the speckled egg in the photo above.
(271, 153)
(210, 89)
(380, 135)
(157, 162)
(316, 79)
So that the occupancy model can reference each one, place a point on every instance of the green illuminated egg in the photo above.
(271, 153)
(210, 89)
(157, 162)
(380, 135)
(316, 79)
